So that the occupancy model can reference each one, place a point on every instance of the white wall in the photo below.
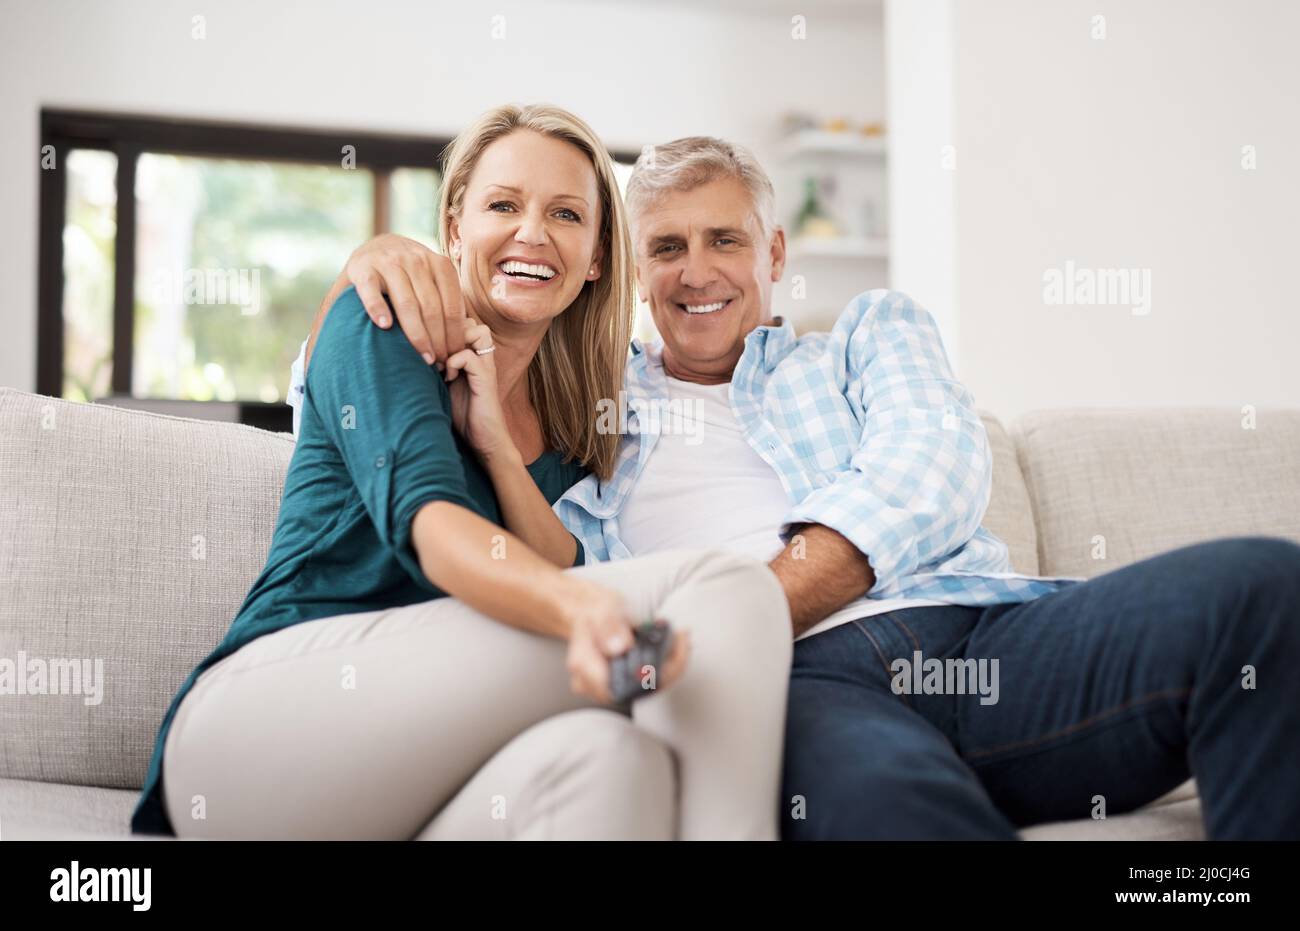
(639, 72)
(1122, 152)
(919, 61)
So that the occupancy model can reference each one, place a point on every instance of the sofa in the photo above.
(132, 537)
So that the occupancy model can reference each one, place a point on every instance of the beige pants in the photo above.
(433, 721)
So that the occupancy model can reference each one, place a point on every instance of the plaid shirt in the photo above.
(870, 434)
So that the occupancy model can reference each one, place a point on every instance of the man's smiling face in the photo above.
(707, 270)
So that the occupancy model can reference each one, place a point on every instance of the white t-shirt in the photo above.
(704, 486)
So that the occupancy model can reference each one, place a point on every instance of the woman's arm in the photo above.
(524, 509)
(494, 571)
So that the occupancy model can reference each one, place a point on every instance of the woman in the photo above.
(400, 645)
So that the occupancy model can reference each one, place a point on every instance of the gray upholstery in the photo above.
(55, 810)
(1151, 481)
(1009, 514)
(128, 538)
(131, 538)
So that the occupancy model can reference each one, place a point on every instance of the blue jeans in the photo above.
(1121, 687)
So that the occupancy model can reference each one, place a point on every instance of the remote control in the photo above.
(650, 648)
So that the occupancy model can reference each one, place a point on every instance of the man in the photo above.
(934, 693)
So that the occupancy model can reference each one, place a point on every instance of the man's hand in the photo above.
(422, 287)
(821, 572)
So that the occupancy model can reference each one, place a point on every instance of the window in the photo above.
(87, 236)
(199, 287)
(231, 256)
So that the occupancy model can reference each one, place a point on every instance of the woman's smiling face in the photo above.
(525, 240)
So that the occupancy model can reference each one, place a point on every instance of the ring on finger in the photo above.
(483, 352)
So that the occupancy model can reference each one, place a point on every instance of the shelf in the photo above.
(821, 142)
(844, 247)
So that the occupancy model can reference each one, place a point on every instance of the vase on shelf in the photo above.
(812, 220)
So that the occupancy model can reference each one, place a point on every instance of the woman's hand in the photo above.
(600, 629)
(475, 404)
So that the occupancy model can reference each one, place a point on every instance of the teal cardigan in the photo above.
(374, 446)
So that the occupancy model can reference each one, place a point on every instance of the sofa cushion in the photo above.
(128, 540)
(1111, 487)
(49, 811)
(1010, 516)
(46, 811)
(1174, 816)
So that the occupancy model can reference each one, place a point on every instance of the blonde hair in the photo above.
(582, 356)
(685, 164)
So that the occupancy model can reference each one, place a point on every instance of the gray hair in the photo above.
(685, 164)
